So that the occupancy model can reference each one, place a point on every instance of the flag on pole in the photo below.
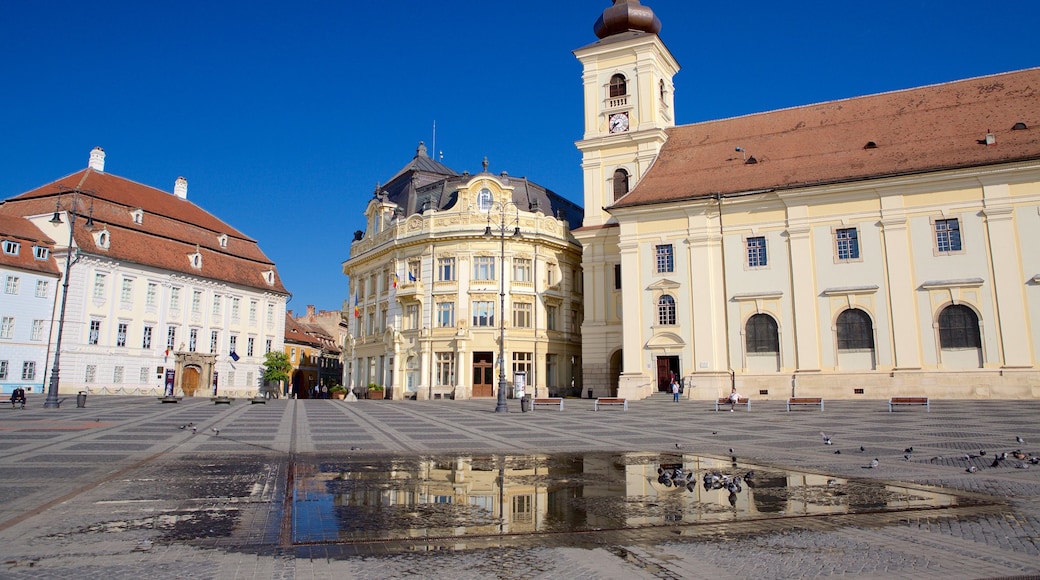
(411, 277)
(234, 356)
(357, 311)
(395, 279)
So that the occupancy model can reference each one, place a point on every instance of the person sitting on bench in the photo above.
(734, 396)
(18, 397)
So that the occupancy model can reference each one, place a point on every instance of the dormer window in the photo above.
(102, 239)
(484, 200)
(138, 216)
(222, 238)
(268, 276)
(196, 260)
(11, 248)
(618, 86)
(41, 253)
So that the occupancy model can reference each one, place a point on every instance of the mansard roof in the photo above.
(171, 229)
(920, 130)
(428, 184)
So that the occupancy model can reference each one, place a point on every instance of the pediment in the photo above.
(665, 340)
(663, 284)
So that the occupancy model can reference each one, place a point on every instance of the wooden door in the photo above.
(483, 374)
(664, 374)
(190, 381)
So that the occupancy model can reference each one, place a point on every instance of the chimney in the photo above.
(310, 312)
(289, 312)
(97, 160)
(180, 188)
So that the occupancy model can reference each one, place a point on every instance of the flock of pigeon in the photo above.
(195, 429)
(1020, 459)
(679, 478)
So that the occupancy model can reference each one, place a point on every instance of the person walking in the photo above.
(675, 389)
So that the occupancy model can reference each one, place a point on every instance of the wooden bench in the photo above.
(258, 401)
(16, 405)
(221, 400)
(554, 401)
(613, 401)
(909, 401)
(740, 401)
(805, 401)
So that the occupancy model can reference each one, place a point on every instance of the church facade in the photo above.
(864, 248)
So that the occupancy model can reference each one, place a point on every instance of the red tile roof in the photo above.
(20, 230)
(917, 130)
(170, 231)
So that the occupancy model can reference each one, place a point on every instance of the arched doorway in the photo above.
(190, 380)
(615, 372)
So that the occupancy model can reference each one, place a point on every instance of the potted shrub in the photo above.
(338, 391)
(375, 391)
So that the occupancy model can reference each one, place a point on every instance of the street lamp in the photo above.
(52, 387)
(501, 407)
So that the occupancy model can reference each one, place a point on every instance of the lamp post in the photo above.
(52, 387)
(501, 406)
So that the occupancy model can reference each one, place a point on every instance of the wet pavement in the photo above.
(380, 489)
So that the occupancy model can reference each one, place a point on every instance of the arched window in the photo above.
(855, 330)
(959, 328)
(666, 310)
(761, 334)
(620, 183)
(618, 86)
(484, 200)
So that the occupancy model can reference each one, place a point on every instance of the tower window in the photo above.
(618, 86)
(620, 183)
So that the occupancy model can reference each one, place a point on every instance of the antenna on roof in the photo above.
(434, 148)
(742, 152)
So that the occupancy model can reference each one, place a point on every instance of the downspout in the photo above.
(725, 293)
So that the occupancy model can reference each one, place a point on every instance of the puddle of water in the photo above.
(457, 496)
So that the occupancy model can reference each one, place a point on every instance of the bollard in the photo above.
(81, 399)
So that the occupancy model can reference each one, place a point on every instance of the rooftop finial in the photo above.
(421, 150)
(485, 164)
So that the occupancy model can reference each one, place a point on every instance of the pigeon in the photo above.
(733, 459)
(982, 452)
(678, 445)
(826, 439)
(731, 451)
(908, 450)
(996, 462)
(1019, 439)
(1002, 456)
(98, 420)
(837, 452)
(182, 426)
(873, 463)
(907, 456)
(1020, 465)
(714, 432)
(355, 449)
(215, 431)
(935, 459)
(194, 430)
(862, 449)
(971, 469)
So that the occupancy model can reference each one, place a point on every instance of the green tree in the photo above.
(276, 367)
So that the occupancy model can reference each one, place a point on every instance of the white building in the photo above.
(159, 290)
(28, 284)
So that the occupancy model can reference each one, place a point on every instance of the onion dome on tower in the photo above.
(626, 15)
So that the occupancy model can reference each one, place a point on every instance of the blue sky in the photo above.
(284, 116)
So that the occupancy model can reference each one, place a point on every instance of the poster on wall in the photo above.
(519, 384)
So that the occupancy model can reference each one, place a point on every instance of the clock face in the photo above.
(618, 122)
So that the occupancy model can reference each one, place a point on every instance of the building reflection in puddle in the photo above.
(361, 499)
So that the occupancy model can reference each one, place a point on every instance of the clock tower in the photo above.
(627, 78)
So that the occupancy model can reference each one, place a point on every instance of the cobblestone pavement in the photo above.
(117, 489)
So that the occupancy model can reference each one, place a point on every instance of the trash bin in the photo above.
(81, 399)
(525, 403)
(590, 393)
